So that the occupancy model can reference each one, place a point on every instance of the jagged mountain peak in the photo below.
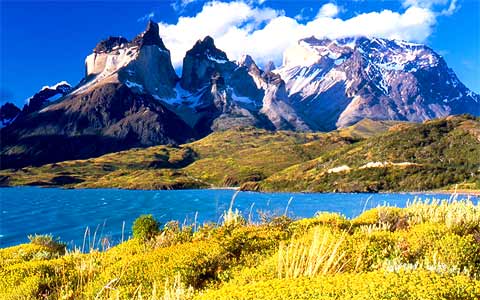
(388, 54)
(46, 95)
(8, 113)
(151, 36)
(246, 61)
(205, 48)
(144, 64)
(110, 44)
(270, 66)
(201, 62)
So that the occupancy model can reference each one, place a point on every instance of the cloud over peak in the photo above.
(243, 28)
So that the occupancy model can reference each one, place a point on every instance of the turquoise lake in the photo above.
(67, 213)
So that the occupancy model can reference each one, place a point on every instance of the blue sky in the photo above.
(46, 42)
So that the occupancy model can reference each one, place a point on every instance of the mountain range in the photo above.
(131, 95)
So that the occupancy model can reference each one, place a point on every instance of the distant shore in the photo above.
(464, 192)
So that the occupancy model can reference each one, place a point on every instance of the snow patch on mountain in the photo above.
(217, 60)
(347, 79)
(241, 99)
(60, 84)
(135, 86)
(183, 97)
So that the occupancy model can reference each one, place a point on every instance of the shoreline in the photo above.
(464, 192)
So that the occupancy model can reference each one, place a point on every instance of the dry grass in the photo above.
(458, 215)
(232, 217)
(177, 290)
(319, 255)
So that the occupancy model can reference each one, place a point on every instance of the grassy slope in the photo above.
(443, 153)
(438, 153)
(226, 158)
(425, 251)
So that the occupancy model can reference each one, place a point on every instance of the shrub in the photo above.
(172, 234)
(145, 227)
(53, 244)
(333, 220)
(354, 286)
(382, 215)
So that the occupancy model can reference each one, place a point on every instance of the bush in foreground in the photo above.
(145, 227)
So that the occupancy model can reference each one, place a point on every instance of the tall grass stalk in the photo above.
(177, 290)
(232, 217)
(303, 257)
(459, 215)
(288, 204)
(250, 220)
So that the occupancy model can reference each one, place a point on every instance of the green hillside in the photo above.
(369, 156)
(226, 158)
(435, 154)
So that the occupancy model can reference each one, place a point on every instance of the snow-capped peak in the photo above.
(386, 54)
(60, 84)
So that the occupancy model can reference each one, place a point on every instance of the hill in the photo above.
(222, 159)
(414, 157)
(399, 157)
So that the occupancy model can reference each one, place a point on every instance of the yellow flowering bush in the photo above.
(385, 253)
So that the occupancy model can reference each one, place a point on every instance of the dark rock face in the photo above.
(108, 44)
(8, 113)
(150, 36)
(43, 97)
(270, 66)
(109, 118)
(201, 62)
(144, 64)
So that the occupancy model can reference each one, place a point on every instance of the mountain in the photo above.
(218, 94)
(132, 97)
(8, 113)
(46, 95)
(115, 107)
(336, 83)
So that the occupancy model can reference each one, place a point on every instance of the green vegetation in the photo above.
(145, 227)
(429, 250)
(437, 154)
(54, 245)
(227, 158)
(369, 156)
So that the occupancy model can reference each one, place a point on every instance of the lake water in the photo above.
(67, 213)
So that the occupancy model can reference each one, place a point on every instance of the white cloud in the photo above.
(424, 3)
(440, 7)
(146, 17)
(452, 8)
(303, 15)
(179, 5)
(328, 10)
(264, 33)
